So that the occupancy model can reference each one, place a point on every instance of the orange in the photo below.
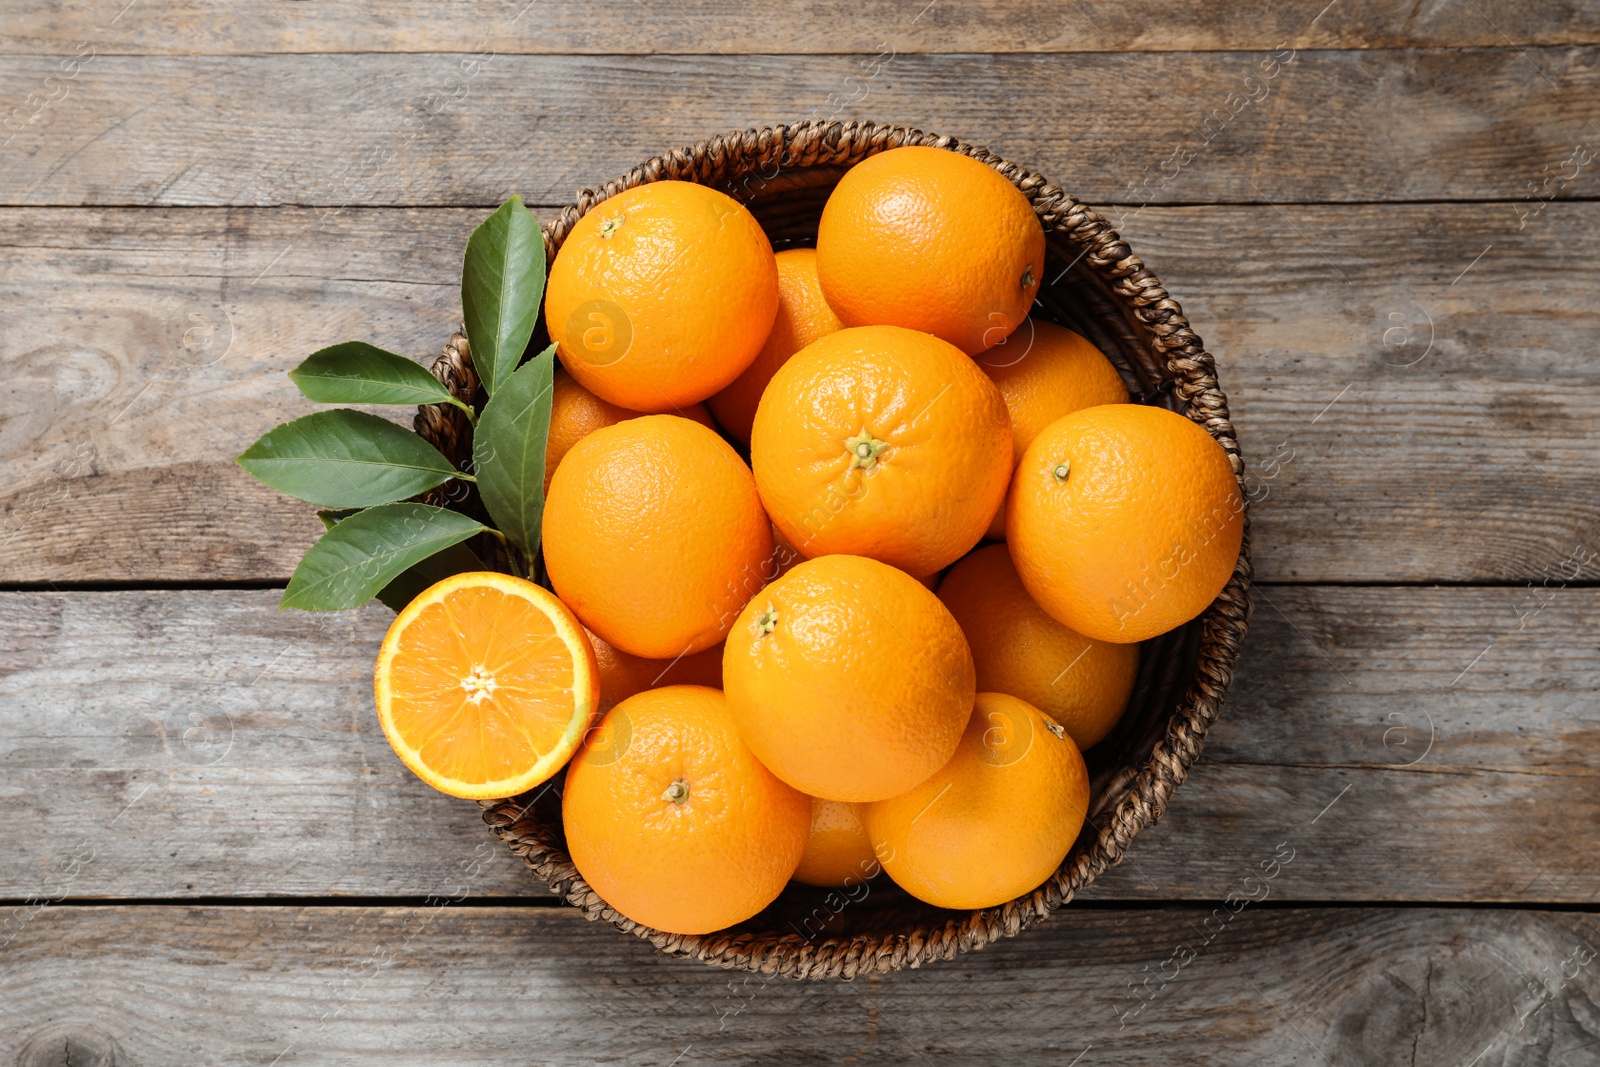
(995, 821)
(1124, 521)
(673, 821)
(1081, 683)
(654, 535)
(575, 413)
(848, 679)
(1045, 371)
(623, 675)
(803, 317)
(932, 240)
(838, 852)
(485, 684)
(884, 442)
(784, 555)
(661, 295)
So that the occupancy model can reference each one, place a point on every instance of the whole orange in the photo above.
(1045, 371)
(1081, 683)
(848, 679)
(662, 295)
(654, 535)
(803, 316)
(622, 675)
(1124, 521)
(838, 852)
(932, 240)
(575, 413)
(995, 821)
(673, 821)
(884, 442)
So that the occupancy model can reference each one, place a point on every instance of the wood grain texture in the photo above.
(194, 743)
(187, 27)
(375, 129)
(332, 985)
(1410, 372)
(219, 748)
(1421, 415)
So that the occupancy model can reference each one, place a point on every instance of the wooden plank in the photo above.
(1404, 382)
(189, 27)
(539, 985)
(199, 743)
(218, 748)
(194, 316)
(1414, 405)
(436, 129)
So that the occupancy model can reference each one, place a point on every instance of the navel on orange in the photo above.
(485, 684)
(883, 442)
(932, 240)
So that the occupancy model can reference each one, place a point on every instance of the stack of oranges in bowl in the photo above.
(848, 558)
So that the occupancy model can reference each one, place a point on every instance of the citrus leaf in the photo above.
(333, 518)
(508, 451)
(502, 280)
(345, 459)
(364, 553)
(457, 559)
(358, 373)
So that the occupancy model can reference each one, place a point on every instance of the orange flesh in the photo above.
(482, 686)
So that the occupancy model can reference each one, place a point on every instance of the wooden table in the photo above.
(1380, 216)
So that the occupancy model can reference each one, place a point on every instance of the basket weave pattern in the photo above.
(1095, 285)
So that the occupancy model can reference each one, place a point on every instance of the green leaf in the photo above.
(346, 459)
(332, 518)
(502, 280)
(457, 559)
(508, 451)
(358, 373)
(364, 553)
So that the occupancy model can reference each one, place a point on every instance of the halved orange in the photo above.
(485, 685)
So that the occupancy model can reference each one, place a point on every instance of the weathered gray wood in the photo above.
(202, 743)
(1411, 386)
(190, 743)
(1413, 404)
(142, 322)
(454, 129)
(246, 985)
(186, 27)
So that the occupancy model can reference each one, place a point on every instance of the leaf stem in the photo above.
(472, 416)
(519, 564)
(464, 476)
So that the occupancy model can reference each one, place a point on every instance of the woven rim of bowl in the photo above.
(1136, 796)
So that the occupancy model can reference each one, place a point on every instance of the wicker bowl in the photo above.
(1095, 285)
